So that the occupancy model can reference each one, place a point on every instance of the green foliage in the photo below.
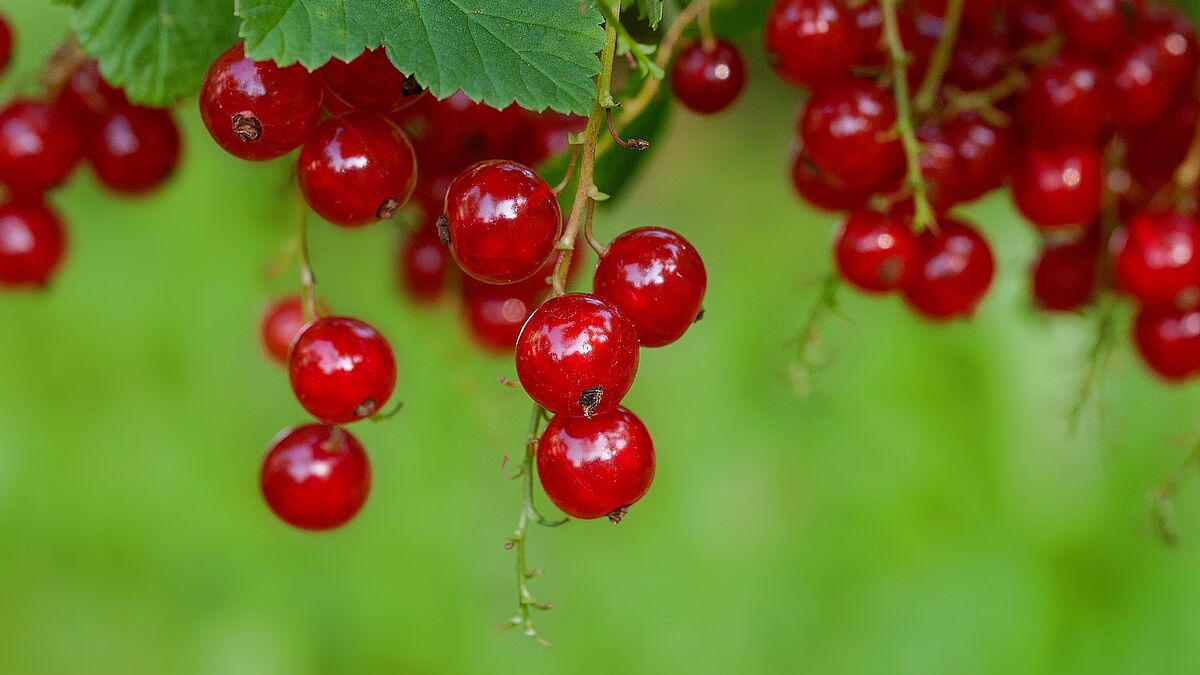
(536, 53)
(650, 10)
(733, 18)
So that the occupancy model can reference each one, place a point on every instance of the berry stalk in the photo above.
(927, 94)
(923, 216)
(666, 48)
(308, 280)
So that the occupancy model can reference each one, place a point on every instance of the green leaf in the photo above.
(650, 10)
(734, 18)
(156, 50)
(539, 53)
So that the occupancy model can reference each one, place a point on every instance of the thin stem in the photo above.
(707, 37)
(1185, 178)
(558, 189)
(599, 248)
(940, 61)
(636, 56)
(634, 107)
(1098, 356)
(1161, 510)
(631, 144)
(809, 336)
(984, 100)
(923, 213)
(308, 280)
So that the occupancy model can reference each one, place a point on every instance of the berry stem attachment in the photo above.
(926, 96)
(923, 216)
(570, 173)
(708, 38)
(666, 48)
(1161, 510)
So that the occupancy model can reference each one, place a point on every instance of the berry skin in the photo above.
(257, 110)
(87, 95)
(32, 244)
(980, 62)
(1059, 185)
(1150, 73)
(315, 477)
(1158, 259)
(423, 265)
(134, 149)
(983, 154)
(847, 130)
(874, 252)
(456, 132)
(6, 43)
(342, 370)
(282, 323)
(821, 190)
(40, 145)
(596, 467)
(495, 314)
(1169, 341)
(357, 169)
(706, 81)
(1097, 27)
(1068, 98)
(1064, 277)
(370, 83)
(657, 279)
(577, 355)
(812, 43)
(502, 221)
(953, 272)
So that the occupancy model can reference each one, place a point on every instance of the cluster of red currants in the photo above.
(1087, 109)
(131, 149)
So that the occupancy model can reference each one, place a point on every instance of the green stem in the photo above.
(1161, 511)
(940, 61)
(905, 125)
(308, 280)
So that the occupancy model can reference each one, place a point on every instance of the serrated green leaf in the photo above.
(651, 11)
(538, 53)
(156, 50)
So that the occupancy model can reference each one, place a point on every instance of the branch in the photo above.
(940, 61)
(923, 213)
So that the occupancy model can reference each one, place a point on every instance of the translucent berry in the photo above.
(496, 313)
(848, 128)
(1065, 275)
(1058, 185)
(708, 81)
(1158, 259)
(32, 243)
(6, 43)
(875, 252)
(134, 149)
(820, 189)
(812, 43)
(1150, 73)
(1169, 341)
(423, 264)
(86, 94)
(315, 477)
(1069, 97)
(282, 323)
(953, 272)
(370, 83)
(342, 370)
(1098, 26)
(40, 144)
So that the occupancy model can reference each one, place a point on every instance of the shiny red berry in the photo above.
(1169, 341)
(134, 149)
(87, 95)
(370, 83)
(257, 110)
(357, 169)
(32, 244)
(6, 43)
(1058, 185)
(1158, 259)
(1151, 72)
(848, 130)
(980, 61)
(282, 323)
(502, 221)
(423, 264)
(1034, 21)
(577, 355)
(1069, 97)
(315, 477)
(954, 269)
(342, 370)
(657, 279)
(708, 81)
(550, 135)
(1065, 275)
(454, 133)
(496, 313)
(820, 189)
(875, 252)
(982, 151)
(812, 43)
(40, 144)
(1097, 27)
(596, 467)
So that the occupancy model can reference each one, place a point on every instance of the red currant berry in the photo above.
(980, 61)
(1059, 185)
(282, 323)
(1169, 341)
(315, 477)
(495, 314)
(1034, 21)
(32, 244)
(708, 81)
(847, 129)
(1064, 276)
(1158, 259)
(812, 43)
(342, 370)
(1154, 152)
(1149, 75)
(357, 169)
(502, 221)
(1097, 27)
(371, 83)
(940, 168)
(596, 467)
(657, 279)
(1069, 97)
(874, 252)
(257, 110)
(456, 132)
(954, 268)
(550, 135)
(6, 43)
(819, 188)
(40, 145)
(86, 95)
(135, 149)
(982, 151)
(424, 266)
(577, 355)
(868, 16)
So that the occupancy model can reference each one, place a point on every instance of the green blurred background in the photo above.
(925, 511)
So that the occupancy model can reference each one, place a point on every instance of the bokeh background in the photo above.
(925, 510)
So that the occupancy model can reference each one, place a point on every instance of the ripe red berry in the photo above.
(1064, 276)
(423, 265)
(370, 83)
(980, 61)
(1034, 21)
(820, 189)
(657, 279)
(134, 149)
(1169, 341)
(1068, 98)
(1150, 73)
(341, 370)
(32, 244)
(454, 133)
(1097, 27)
(40, 145)
(848, 130)
(707, 81)
(86, 95)
(315, 477)
(502, 221)
(6, 43)
(1058, 185)
(875, 252)
(282, 323)
(596, 467)
(982, 152)
(550, 136)
(812, 43)
(954, 269)
(357, 169)
(257, 110)
(496, 313)
(577, 355)
(1158, 259)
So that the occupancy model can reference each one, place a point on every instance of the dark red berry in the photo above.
(357, 169)
(848, 130)
(1034, 21)
(454, 133)
(982, 151)
(423, 264)
(875, 252)
(980, 61)
(1058, 185)
(1064, 276)
(550, 135)
(577, 355)
(502, 221)
(819, 188)
(954, 268)
(282, 323)
(257, 110)
(657, 279)
(1069, 97)
(370, 83)
(496, 313)
(134, 149)
(812, 43)
(87, 95)
(596, 467)
(708, 81)
(32, 244)
(1149, 75)
(1098, 27)
(1158, 259)
(1169, 341)
(315, 477)
(6, 43)
(868, 16)
(40, 145)
(342, 370)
